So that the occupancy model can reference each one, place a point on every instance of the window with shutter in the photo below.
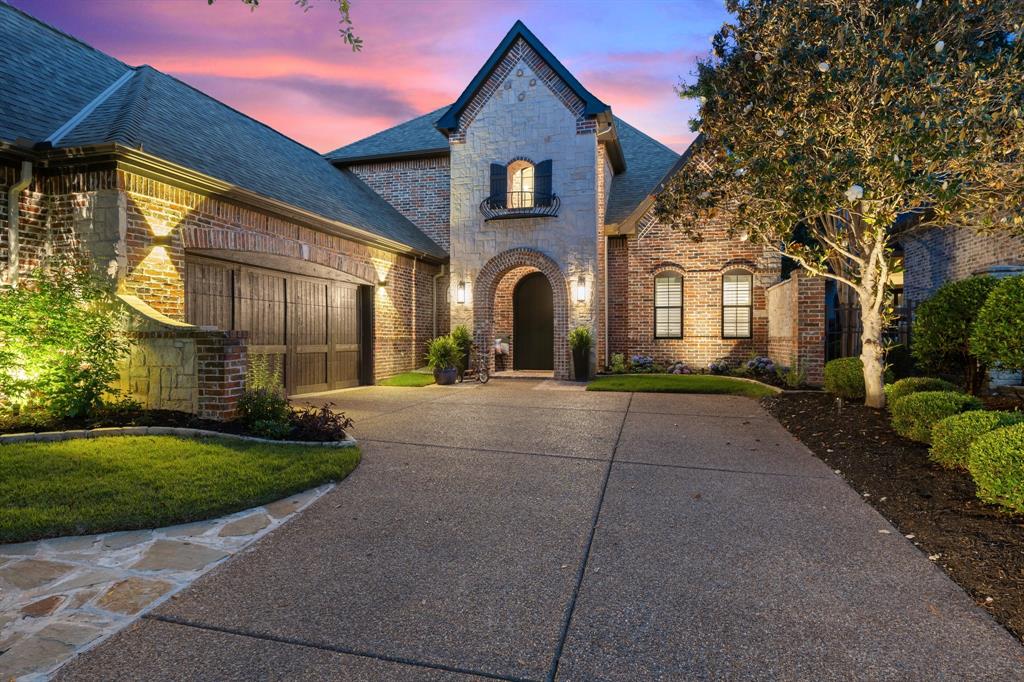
(520, 184)
(668, 306)
(737, 304)
(542, 183)
(499, 185)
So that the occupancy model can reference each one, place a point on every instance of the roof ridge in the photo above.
(133, 109)
(328, 155)
(64, 34)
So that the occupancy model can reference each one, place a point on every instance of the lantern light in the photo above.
(460, 293)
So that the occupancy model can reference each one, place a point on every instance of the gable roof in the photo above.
(592, 105)
(648, 162)
(169, 119)
(418, 137)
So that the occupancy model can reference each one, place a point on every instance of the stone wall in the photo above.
(418, 188)
(635, 260)
(796, 324)
(936, 256)
(522, 115)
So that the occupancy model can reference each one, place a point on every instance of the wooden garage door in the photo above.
(308, 327)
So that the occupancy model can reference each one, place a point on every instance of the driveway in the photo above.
(533, 531)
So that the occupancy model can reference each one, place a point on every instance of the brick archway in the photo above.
(485, 288)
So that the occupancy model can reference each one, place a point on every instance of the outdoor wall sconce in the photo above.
(581, 289)
(382, 282)
(460, 293)
(162, 240)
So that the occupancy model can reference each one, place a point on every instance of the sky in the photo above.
(291, 70)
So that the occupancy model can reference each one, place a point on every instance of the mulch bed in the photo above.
(980, 547)
(125, 418)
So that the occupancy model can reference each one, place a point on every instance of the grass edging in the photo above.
(181, 432)
(413, 379)
(706, 384)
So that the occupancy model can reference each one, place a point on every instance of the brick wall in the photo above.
(796, 324)
(634, 262)
(936, 256)
(418, 188)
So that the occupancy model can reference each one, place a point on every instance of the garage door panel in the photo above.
(209, 295)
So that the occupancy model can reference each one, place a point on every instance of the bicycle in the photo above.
(477, 370)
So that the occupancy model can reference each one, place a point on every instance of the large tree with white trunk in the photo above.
(831, 119)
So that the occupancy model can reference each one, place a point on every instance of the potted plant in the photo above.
(443, 358)
(580, 340)
(464, 342)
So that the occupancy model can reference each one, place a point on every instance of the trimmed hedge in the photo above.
(952, 437)
(914, 415)
(998, 335)
(996, 461)
(905, 387)
(844, 377)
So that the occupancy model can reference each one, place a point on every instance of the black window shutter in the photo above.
(542, 183)
(499, 185)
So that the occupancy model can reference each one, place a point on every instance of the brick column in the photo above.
(221, 361)
(810, 325)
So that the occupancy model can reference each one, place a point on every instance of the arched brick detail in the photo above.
(486, 285)
(201, 237)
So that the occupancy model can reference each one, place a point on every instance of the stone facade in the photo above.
(935, 256)
(524, 116)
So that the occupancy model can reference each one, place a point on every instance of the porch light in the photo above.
(382, 282)
(162, 239)
(581, 289)
(460, 293)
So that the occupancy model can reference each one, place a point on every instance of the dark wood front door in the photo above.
(307, 327)
(533, 323)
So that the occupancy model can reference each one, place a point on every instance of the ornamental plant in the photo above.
(952, 436)
(829, 120)
(442, 353)
(581, 339)
(998, 335)
(996, 462)
(844, 377)
(942, 330)
(642, 364)
(61, 338)
(913, 416)
(719, 366)
(464, 342)
(905, 387)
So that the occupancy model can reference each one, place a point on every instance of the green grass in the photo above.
(679, 383)
(79, 487)
(415, 379)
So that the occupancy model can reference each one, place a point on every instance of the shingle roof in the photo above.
(647, 163)
(180, 124)
(417, 136)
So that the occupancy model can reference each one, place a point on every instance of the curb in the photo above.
(54, 436)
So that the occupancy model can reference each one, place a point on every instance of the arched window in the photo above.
(668, 305)
(520, 184)
(737, 304)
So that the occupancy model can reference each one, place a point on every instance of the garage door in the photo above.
(308, 327)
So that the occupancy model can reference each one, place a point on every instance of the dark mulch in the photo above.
(980, 547)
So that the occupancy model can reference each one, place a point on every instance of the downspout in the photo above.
(604, 290)
(13, 216)
(438, 276)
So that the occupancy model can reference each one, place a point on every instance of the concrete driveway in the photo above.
(533, 531)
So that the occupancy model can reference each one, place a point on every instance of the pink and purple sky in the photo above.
(291, 70)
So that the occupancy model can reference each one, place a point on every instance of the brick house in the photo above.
(522, 210)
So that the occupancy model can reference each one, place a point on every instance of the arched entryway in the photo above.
(533, 323)
(522, 262)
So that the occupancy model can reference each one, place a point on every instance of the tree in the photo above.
(841, 117)
(344, 24)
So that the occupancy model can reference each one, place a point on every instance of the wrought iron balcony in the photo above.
(520, 205)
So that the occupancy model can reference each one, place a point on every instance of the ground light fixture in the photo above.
(460, 293)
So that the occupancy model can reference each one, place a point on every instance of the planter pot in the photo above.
(445, 377)
(581, 363)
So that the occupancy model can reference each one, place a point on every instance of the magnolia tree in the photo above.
(832, 119)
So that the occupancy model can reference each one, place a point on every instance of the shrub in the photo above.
(793, 376)
(844, 377)
(998, 335)
(442, 353)
(942, 329)
(263, 407)
(679, 368)
(320, 424)
(761, 366)
(914, 415)
(642, 364)
(61, 337)
(996, 462)
(581, 339)
(464, 342)
(952, 436)
(719, 366)
(618, 364)
(905, 387)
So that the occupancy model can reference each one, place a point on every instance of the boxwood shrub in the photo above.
(952, 436)
(914, 415)
(905, 387)
(844, 377)
(998, 335)
(996, 461)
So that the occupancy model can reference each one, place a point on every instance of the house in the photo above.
(522, 210)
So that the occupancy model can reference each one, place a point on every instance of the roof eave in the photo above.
(394, 156)
(154, 167)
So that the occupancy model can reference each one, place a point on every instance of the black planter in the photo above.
(581, 363)
(445, 377)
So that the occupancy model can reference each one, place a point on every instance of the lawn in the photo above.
(86, 486)
(679, 383)
(413, 379)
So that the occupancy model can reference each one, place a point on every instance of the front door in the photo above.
(533, 323)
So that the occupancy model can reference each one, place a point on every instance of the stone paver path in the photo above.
(59, 597)
(533, 531)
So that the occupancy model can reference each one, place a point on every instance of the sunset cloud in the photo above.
(290, 69)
